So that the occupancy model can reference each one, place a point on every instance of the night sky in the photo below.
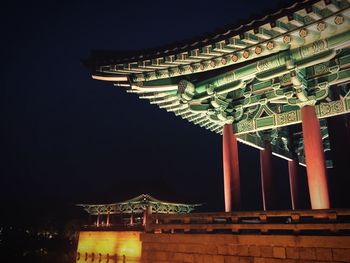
(67, 139)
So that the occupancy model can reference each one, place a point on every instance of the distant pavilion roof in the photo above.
(139, 204)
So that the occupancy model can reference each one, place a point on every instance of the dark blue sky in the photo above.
(67, 138)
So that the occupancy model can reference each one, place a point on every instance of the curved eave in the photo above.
(260, 38)
(102, 57)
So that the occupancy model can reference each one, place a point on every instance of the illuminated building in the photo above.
(277, 84)
(133, 212)
(272, 84)
(118, 237)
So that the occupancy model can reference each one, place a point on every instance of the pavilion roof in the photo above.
(255, 76)
(137, 205)
(234, 37)
(102, 56)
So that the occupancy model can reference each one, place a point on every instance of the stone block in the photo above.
(260, 260)
(188, 258)
(243, 250)
(246, 259)
(324, 254)
(232, 250)
(266, 251)
(183, 239)
(200, 258)
(254, 251)
(192, 238)
(292, 252)
(274, 260)
(160, 255)
(222, 249)
(221, 239)
(218, 259)
(169, 247)
(262, 240)
(341, 254)
(323, 241)
(145, 247)
(231, 259)
(208, 258)
(279, 252)
(181, 248)
(145, 254)
(211, 249)
(290, 261)
(177, 257)
(145, 237)
(153, 246)
(195, 248)
(307, 253)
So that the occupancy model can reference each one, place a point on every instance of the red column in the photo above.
(132, 218)
(315, 160)
(293, 183)
(147, 213)
(231, 169)
(144, 218)
(98, 220)
(266, 175)
(107, 222)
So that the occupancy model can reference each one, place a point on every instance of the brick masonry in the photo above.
(222, 248)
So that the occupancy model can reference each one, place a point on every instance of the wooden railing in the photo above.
(333, 222)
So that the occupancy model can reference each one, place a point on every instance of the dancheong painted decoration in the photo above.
(135, 209)
(255, 83)
(139, 204)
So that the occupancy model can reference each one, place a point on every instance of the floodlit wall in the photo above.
(102, 246)
(229, 248)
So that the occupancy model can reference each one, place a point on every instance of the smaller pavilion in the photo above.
(133, 212)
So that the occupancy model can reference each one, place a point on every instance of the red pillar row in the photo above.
(315, 160)
(231, 169)
(315, 165)
(293, 183)
(266, 176)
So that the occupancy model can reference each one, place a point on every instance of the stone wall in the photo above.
(226, 248)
